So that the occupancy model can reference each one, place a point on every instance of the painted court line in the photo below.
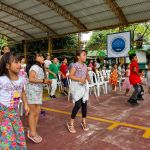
(114, 124)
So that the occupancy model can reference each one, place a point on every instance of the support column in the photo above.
(122, 59)
(79, 41)
(25, 49)
(50, 46)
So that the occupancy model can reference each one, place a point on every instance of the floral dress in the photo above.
(11, 129)
(34, 91)
(114, 77)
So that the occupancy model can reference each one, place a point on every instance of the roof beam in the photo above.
(15, 30)
(21, 15)
(64, 13)
(118, 11)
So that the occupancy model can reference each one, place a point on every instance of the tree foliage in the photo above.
(69, 41)
(138, 32)
(3, 42)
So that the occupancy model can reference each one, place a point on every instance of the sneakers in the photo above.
(53, 96)
(141, 99)
(133, 102)
(43, 113)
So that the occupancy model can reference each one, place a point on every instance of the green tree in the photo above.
(69, 41)
(98, 38)
(3, 42)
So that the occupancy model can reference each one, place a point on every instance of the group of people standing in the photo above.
(19, 81)
(27, 85)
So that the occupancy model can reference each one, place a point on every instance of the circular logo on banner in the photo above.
(118, 44)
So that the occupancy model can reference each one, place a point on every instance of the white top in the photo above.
(47, 63)
(23, 66)
(97, 65)
(104, 73)
(7, 89)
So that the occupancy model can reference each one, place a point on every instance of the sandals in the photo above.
(71, 128)
(84, 126)
(36, 139)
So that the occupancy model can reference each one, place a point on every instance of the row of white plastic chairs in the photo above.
(97, 83)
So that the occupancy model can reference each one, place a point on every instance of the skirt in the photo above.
(34, 94)
(11, 129)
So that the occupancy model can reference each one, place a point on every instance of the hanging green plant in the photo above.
(132, 52)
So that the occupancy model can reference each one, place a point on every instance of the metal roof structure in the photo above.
(34, 19)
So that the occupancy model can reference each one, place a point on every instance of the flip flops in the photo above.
(36, 139)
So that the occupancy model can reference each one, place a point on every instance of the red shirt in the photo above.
(63, 69)
(134, 78)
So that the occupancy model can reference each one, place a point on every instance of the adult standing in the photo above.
(53, 72)
(5, 49)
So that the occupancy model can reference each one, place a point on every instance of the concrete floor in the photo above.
(115, 111)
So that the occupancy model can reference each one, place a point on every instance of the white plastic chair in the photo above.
(101, 83)
(93, 85)
(59, 83)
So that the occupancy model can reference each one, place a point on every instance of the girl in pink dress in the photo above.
(126, 83)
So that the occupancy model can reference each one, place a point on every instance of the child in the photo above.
(142, 77)
(23, 67)
(53, 72)
(35, 94)
(126, 84)
(134, 79)
(79, 75)
(148, 78)
(64, 69)
(11, 91)
(104, 73)
(114, 77)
